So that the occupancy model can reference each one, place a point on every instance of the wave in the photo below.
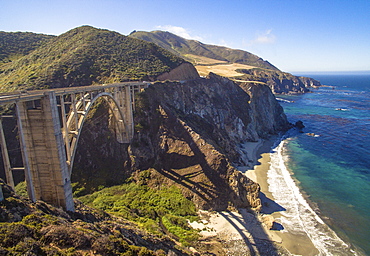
(299, 217)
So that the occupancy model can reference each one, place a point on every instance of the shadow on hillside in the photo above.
(218, 193)
(252, 232)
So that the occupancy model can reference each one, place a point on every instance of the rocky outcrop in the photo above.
(189, 133)
(280, 82)
(185, 71)
(40, 229)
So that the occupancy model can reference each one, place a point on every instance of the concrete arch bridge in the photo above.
(50, 123)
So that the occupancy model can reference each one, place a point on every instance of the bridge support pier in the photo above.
(43, 150)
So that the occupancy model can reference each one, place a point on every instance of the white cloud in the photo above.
(266, 37)
(180, 31)
(223, 42)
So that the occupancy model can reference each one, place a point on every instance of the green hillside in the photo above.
(17, 44)
(185, 47)
(84, 56)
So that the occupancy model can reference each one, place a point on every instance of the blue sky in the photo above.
(295, 36)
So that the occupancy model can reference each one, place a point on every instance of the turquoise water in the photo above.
(333, 167)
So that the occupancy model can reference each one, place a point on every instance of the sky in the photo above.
(294, 35)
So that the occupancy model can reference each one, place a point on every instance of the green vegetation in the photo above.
(84, 56)
(160, 211)
(14, 45)
(187, 48)
(21, 189)
(28, 228)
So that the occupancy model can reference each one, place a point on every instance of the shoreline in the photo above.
(297, 244)
(242, 231)
(262, 233)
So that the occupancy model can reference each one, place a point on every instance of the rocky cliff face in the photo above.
(185, 71)
(280, 82)
(189, 134)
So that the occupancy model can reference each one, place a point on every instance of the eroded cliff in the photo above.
(190, 133)
(279, 82)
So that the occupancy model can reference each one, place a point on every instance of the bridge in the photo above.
(49, 126)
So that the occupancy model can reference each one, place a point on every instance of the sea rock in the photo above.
(299, 124)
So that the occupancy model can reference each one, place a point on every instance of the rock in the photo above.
(1, 194)
(192, 133)
(299, 124)
(268, 221)
(186, 71)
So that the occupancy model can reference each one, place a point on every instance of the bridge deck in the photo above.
(13, 97)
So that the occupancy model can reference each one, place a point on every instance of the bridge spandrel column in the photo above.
(129, 119)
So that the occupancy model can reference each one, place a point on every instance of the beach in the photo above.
(275, 230)
(297, 244)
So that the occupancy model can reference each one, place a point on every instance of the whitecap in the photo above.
(299, 217)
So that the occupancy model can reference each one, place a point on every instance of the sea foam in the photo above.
(299, 217)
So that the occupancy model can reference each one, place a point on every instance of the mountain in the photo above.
(84, 56)
(238, 65)
(14, 45)
(191, 49)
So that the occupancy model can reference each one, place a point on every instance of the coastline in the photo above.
(263, 234)
(297, 244)
(241, 231)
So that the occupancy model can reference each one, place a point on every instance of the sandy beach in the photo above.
(246, 233)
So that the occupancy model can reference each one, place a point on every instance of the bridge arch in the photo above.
(78, 114)
(50, 124)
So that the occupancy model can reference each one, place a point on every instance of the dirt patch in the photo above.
(226, 70)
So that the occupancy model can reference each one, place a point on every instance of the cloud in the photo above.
(266, 37)
(180, 31)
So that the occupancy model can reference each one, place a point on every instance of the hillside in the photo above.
(40, 229)
(84, 56)
(189, 140)
(192, 49)
(14, 45)
(238, 65)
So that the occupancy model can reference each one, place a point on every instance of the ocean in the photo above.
(322, 176)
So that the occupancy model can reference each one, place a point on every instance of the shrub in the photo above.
(149, 207)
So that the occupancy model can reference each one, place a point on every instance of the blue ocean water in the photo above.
(332, 162)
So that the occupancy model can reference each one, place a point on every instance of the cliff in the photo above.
(190, 133)
(279, 82)
(185, 71)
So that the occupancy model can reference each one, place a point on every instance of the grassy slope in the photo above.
(86, 55)
(183, 47)
(14, 45)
